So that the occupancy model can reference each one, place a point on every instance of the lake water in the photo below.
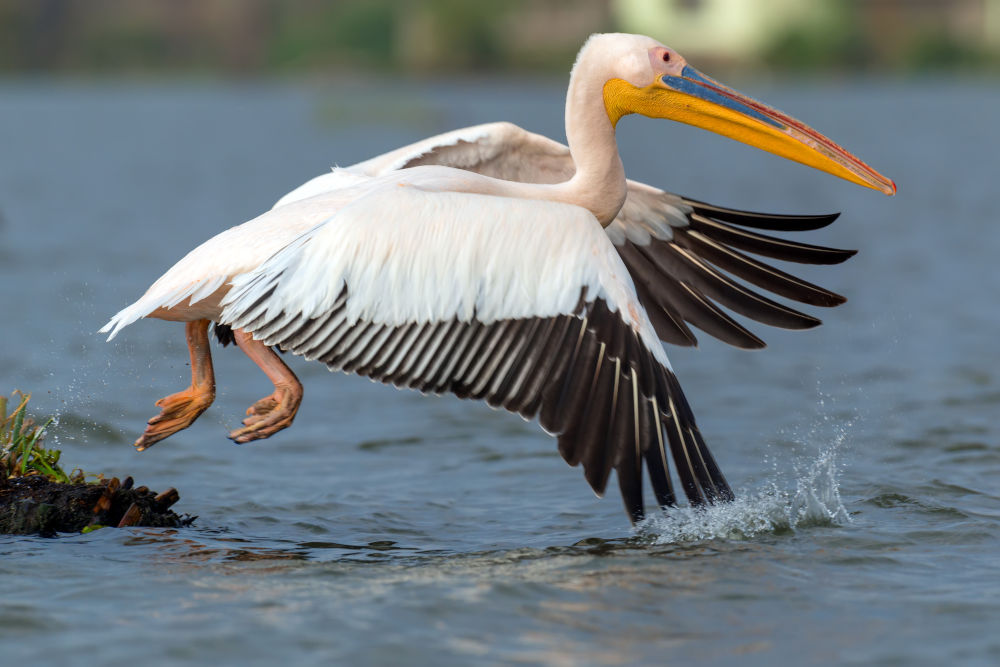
(388, 527)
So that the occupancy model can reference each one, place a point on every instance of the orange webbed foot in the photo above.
(178, 411)
(270, 414)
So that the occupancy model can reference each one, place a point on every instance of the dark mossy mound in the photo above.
(35, 505)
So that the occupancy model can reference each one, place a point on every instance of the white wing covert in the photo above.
(523, 304)
(499, 150)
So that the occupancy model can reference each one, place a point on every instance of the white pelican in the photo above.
(497, 264)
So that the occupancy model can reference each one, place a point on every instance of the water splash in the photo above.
(810, 498)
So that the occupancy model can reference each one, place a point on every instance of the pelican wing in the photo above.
(499, 150)
(523, 304)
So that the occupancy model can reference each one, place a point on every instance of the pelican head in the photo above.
(656, 81)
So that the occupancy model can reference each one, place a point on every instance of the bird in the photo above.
(496, 264)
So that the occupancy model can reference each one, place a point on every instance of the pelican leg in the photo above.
(178, 411)
(275, 412)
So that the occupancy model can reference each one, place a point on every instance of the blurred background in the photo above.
(248, 37)
(387, 527)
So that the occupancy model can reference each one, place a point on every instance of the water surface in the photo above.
(386, 526)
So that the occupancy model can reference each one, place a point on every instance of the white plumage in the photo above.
(413, 255)
(497, 264)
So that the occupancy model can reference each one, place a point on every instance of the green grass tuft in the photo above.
(21, 450)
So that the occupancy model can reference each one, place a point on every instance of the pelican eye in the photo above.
(666, 56)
